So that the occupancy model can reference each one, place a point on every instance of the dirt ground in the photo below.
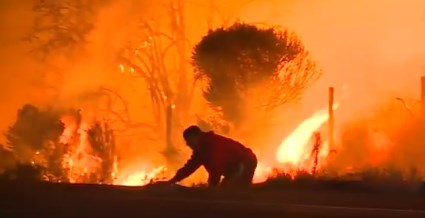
(73, 200)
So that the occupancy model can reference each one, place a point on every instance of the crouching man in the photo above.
(221, 157)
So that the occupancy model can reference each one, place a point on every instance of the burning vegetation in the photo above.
(236, 79)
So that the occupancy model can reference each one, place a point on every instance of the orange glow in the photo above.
(140, 177)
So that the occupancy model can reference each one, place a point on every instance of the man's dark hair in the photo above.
(190, 131)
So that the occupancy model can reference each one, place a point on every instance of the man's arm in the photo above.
(190, 167)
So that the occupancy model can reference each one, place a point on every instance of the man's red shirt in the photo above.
(218, 154)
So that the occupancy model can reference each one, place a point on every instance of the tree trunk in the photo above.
(170, 153)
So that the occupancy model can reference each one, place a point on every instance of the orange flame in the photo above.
(140, 177)
(294, 149)
(78, 161)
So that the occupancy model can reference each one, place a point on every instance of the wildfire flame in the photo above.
(294, 150)
(141, 177)
(80, 161)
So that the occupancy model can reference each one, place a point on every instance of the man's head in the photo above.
(192, 136)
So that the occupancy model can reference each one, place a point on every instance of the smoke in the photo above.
(14, 77)
(370, 51)
(367, 49)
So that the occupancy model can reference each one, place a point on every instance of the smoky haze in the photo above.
(15, 83)
(369, 50)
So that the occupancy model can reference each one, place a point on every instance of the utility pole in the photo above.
(423, 95)
(331, 117)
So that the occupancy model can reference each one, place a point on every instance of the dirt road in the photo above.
(74, 201)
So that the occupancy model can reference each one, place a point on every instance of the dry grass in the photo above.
(373, 179)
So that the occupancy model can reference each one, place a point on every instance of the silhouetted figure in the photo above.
(220, 156)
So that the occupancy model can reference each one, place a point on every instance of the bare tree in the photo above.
(151, 57)
(59, 32)
(116, 112)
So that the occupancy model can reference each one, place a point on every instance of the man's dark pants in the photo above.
(243, 174)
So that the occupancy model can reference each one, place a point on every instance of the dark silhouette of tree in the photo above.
(34, 127)
(7, 159)
(34, 135)
(242, 56)
(60, 27)
(34, 140)
(59, 33)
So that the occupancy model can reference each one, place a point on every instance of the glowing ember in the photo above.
(294, 150)
(140, 178)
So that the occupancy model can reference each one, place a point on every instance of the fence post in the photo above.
(423, 95)
(331, 118)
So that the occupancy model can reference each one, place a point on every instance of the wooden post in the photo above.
(423, 95)
(331, 118)
(170, 151)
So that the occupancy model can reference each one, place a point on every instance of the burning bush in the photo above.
(101, 138)
(90, 155)
(61, 146)
(34, 136)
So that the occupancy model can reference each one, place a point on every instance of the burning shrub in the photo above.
(101, 138)
(33, 138)
(90, 155)
(63, 148)
(34, 127)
